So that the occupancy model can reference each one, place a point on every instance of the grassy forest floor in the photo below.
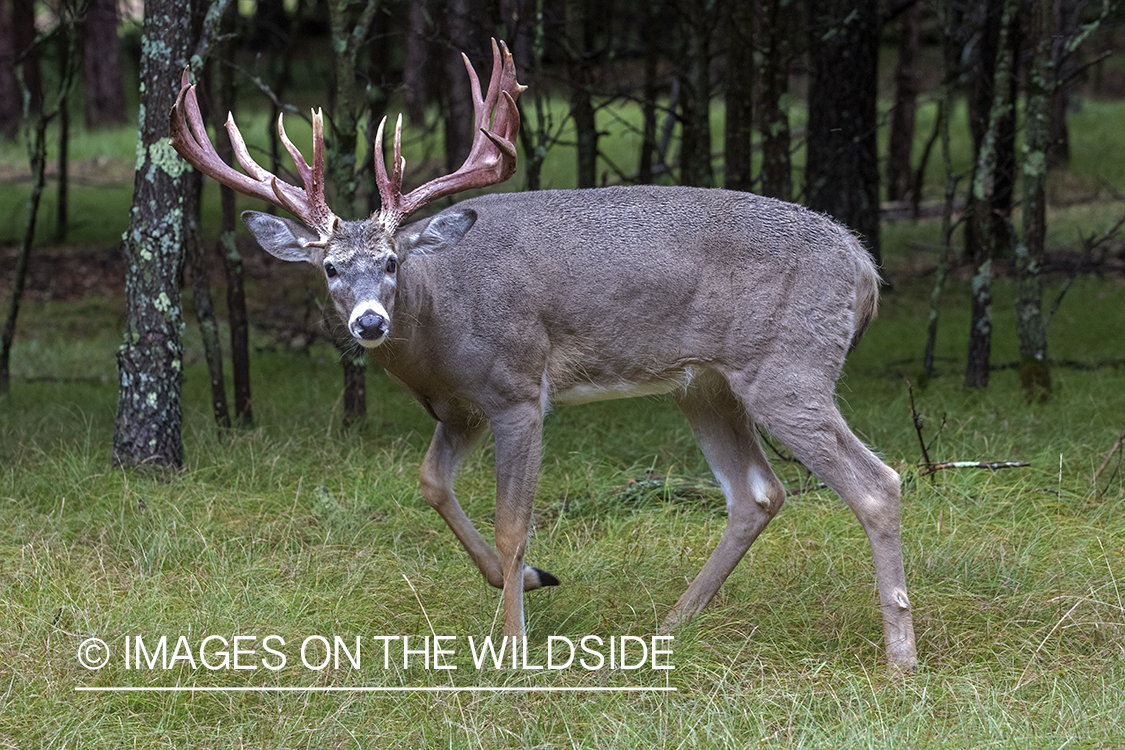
(303, 527)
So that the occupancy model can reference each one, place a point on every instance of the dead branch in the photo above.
(1109, 455)
(992, 465)
(918, 425)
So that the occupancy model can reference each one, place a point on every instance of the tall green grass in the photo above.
(301, 526)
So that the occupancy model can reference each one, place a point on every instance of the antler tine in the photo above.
(188, 135)
(294, 153)
(492, 156)
(494, 86)
(390, 188)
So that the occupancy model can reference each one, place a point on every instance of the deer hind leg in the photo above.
(807, 420)
(451, 442)
(754, 495)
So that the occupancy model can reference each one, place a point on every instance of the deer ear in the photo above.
(280, 237)
(440, 233)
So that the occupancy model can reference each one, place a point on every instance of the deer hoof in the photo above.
(534, 578)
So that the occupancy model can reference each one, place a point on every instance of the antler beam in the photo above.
(188, 136)
(491, 159)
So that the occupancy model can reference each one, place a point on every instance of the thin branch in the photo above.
(917, 418)
(1109, 455)
(992, 465)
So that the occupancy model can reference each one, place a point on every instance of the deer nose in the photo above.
(369, 326)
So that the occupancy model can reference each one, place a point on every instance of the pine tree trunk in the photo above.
(459, 104)
(36, 122)
(150, 359)
(349, 31)
(842, 176)
(950, 61)
(201, 296)
(1067, 18)
(907, 83)
(1031, 325)
(105, 92)
(777, 167)
(228, 247)
(695, 95)
(38, 154)
(62, 201)
(11, 109)
(645, 173)
(414, 65)
(581, 102)
(739, 96)
(981, 227)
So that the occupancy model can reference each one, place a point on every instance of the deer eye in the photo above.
(330, 270)
(392, 265)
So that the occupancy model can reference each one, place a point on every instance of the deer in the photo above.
(740, 307)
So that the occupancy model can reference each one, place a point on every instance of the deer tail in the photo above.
(866, 292)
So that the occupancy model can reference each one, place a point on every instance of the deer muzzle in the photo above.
(369, 324)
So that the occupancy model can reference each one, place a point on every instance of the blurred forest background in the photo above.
(939, 130)
(975, 144)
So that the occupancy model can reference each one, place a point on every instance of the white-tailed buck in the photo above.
(740, 307)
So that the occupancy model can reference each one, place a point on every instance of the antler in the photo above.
(491, 159)
(188, 136)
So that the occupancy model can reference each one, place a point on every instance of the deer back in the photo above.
(606, 292)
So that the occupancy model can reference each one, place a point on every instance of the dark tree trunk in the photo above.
(11, 108)
(224, 85)
(777, 168)
(150, 359)
(349, 32)
(907, 83)
(739, 96)
(414, 67)
(23, 19)
(105, 92)
(998, 47)
(37, 121)
(1031, 324)
(949, 77)
(458, 101)
(1067, 19)
(981, 226)
(271, 30)
(578, 30)
(842, 173)
(1006, 139)
(695, 93)
(201, 296)
(38, 149)
(535, 138)
(18, 23)
(375, 103)
(62, 202)
(518, 17)
(648, 93)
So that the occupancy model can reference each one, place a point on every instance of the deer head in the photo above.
(360, 259)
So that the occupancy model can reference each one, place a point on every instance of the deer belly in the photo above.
(585, 392)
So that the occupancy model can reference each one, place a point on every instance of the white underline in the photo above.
(371, 689)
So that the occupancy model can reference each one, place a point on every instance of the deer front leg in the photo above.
(452, 440)
(519, 436)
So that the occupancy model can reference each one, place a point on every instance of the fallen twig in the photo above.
(928, 469)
